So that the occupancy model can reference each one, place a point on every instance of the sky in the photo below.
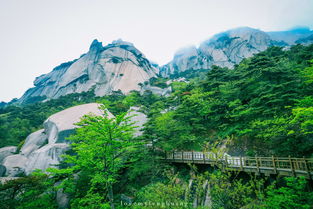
(37, 35)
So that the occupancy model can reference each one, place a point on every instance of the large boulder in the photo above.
(46, 157)
(61, 125)
(33, 142)
(6, 151)
(15, 165)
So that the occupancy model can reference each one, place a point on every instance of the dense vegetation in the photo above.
(17, 122)
(263, 106)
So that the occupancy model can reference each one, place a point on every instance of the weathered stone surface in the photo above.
(15, 165)
(6, 151)
(58, 125)
(63, 199)
(117, 66)
(46, 157)
(34, 141)
(138, 118)
(156, 90)
(2, 170)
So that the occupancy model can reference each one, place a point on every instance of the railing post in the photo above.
(257, 164)
(226, 161)
(182, 155)
(203, 155)
(165, 155)
(291, 166)
(241, 166)
(192, 156)
(295, 165)
(274, 164)
(173, 153)
(307, 167)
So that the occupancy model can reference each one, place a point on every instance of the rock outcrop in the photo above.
(229, 48)
(43, 148)
(117, 66)
(6, 151)
(15, 165)
(156, 90)
(138, 118)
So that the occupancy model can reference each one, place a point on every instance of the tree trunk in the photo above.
(111, 199)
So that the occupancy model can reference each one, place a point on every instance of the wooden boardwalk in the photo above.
(284, 166)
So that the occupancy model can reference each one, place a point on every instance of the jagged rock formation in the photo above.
(229, 48)
(117, 66)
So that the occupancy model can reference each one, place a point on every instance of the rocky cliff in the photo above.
(103, 69)
(229, 48)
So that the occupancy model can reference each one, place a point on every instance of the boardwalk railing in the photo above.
(285, 166)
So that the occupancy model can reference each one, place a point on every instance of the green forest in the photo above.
(262, 107)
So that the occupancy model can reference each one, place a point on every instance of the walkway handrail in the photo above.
(291, 164)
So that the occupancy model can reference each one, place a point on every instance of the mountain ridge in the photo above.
(120, 66)
(228, 48)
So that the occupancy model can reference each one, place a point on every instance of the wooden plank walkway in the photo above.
(284, 166)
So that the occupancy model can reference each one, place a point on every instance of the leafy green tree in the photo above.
(34, 191)
(293, 195)
(99, 145)
(161, 195)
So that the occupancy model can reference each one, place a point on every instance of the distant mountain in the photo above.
(305, 41)
(290, 37)
(117, 66)
(3, 104)
(229, 48)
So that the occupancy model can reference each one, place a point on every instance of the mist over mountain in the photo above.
(228, 48)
